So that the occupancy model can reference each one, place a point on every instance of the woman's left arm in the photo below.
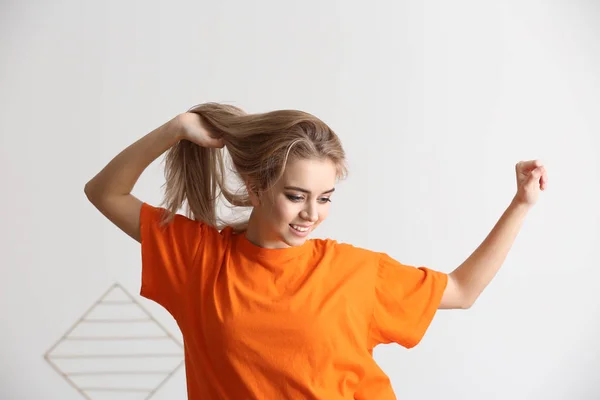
(466, 282)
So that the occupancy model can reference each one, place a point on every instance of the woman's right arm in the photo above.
(110, 190)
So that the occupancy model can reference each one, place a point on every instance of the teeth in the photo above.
(299, 228)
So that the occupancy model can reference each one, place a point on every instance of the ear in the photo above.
(253, 195)
(254, 198)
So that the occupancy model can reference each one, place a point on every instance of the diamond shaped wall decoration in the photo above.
(116, 350)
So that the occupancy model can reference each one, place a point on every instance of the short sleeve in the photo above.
(168, 252)
(406, 300)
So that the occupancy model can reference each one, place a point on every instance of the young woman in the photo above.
(266, 313)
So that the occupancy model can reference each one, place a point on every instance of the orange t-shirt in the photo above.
(293, 323)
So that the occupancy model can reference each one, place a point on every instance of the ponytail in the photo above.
(258, 146)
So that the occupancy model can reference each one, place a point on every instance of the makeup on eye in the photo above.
(297, 199)
(299, 189)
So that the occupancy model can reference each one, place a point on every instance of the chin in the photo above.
(292, 239)
(295, 241)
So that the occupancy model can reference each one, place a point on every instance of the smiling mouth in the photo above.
(300, 228)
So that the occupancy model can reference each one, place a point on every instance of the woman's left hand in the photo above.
(531, 179)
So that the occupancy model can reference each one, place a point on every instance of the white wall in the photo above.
(435, 102)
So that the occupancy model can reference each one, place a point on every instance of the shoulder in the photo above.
(347, 252)
(162, 221)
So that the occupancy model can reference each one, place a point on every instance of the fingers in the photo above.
(526, 166)
(539, 177)
(217, 143)
(544, 178)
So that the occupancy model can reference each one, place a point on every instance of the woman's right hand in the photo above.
(196, 130)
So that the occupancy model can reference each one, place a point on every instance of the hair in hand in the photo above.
(258, 147)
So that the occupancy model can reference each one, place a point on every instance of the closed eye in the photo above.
(294, 198)
(297, 199)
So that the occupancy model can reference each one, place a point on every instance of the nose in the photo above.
(310, 213)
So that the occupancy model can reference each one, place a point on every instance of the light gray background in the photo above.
(434, 101)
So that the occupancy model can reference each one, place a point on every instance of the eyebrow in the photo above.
(299, 189)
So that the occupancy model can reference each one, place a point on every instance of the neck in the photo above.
(259, 236)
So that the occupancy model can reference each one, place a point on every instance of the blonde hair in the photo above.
(259, 147)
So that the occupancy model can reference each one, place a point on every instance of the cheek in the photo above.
(323, 213)
(284, 211)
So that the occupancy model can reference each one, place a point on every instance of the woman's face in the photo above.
(287, 213)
